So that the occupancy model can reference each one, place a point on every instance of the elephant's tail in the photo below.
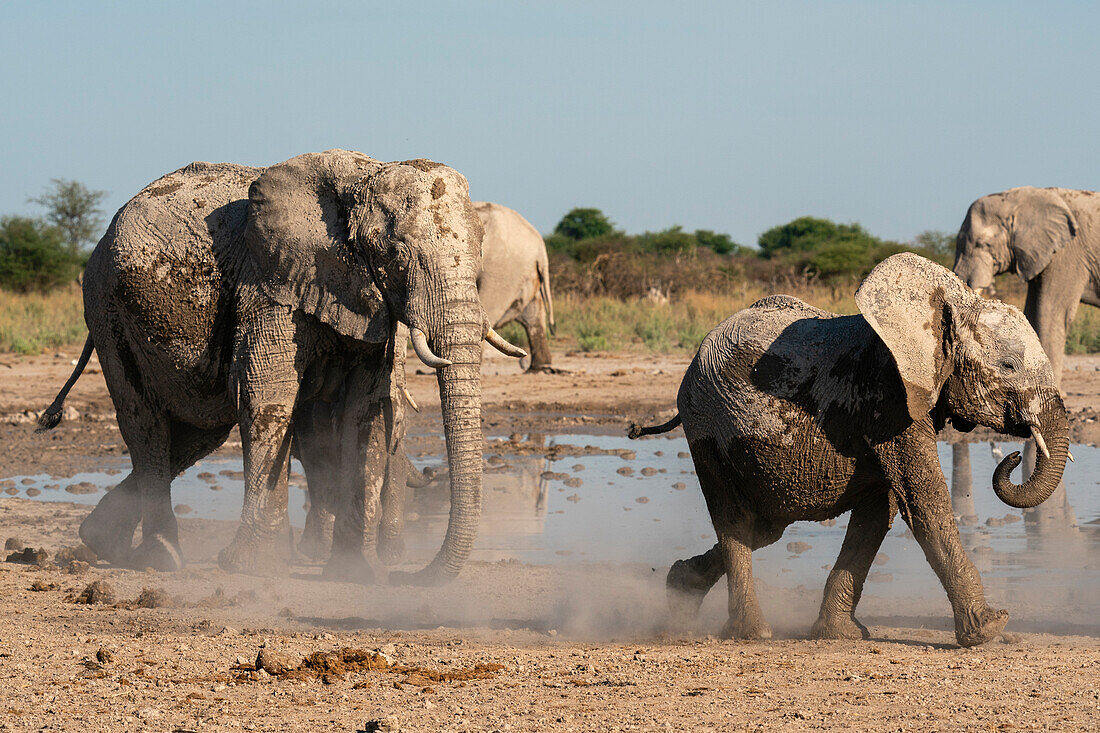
(52, 416)
(636, 431)
(543, 269)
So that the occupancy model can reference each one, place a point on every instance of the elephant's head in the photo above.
(1018, 229)
(977, 360)
(362, 245)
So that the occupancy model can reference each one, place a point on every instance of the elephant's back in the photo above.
(511, 249)
(170, 258)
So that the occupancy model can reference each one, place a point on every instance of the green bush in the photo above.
(581, 224)
(34, 255)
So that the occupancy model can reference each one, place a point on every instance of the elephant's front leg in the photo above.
(362, 475)
(867, 527)
(533, 320)
(912, 467)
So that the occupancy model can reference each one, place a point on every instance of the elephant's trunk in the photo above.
(1050, 428)
(457, 339)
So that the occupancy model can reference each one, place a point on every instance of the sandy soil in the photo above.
(509, 646)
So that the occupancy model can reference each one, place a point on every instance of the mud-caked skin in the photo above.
(793, 413)
(272, 299)
(514, 282)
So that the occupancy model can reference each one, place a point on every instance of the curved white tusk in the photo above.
(420, 346)
(1071, 458)
(409, 399)
(1039, 442)
(497, 342)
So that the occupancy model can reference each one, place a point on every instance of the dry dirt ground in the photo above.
(508, 646)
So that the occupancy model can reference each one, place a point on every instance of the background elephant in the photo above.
(223, 295)
(1051, 238)
(514, 282)
(793, 413)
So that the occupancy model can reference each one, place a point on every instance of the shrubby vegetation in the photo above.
(34, 255)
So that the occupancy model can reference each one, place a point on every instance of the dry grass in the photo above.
(33, 322)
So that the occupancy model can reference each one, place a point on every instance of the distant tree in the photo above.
(807, 234)
(581, 224)
(938, 243)
(673, 240)
(73, 208)
(723, 244)
(34, 255)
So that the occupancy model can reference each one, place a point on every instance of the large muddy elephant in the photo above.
(793, 413)
(514, 282)
(223, 295)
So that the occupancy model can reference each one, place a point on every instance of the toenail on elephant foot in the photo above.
(751, 629)
(839, 627)
(252, 557)
(391, 549)
(157, 552)
(979, 627)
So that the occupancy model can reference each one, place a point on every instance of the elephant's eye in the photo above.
(1008, 366)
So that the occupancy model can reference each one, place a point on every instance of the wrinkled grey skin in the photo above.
(793, 413)
(223, 295)
(514, 282)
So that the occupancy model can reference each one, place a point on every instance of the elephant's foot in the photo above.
(109, 533)
(157, 552)
(749, 626)
(839, 627)
(979, 627)
(353, 567)
(251, 556)
(430, 576)
(391, 549)
(542, 369)
(685, 589)
(314, 544)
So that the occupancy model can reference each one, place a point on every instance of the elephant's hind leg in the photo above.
(689, 581)
(735, 542)
(533, 320)
(867, 527)
(109, 530)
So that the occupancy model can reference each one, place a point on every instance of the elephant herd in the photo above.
(280, 301)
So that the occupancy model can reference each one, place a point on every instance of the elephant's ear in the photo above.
(298, 236)
(1042, 224)
(904, 299)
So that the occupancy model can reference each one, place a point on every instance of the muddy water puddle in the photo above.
(604, 508)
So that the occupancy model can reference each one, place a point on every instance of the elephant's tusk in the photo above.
(497, 342)
(1071, 458)
(420, 346)
(409, 399)
(1039, 442)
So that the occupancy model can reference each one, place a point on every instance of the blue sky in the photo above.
(727, 116)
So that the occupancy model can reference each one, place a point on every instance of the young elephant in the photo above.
(793, 413)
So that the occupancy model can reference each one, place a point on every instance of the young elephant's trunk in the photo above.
(1053, 427)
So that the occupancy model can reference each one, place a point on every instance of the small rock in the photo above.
(11, 491)
(625, 471)
(642, 500)
(827, 522)
(98, 592)
(649, 471)
(182, 509)
(104, 656)
(679, 486)
(573, 498)
(882, 558)
(13, 543)
(797, 548)
(80, 553)
(30, 556)
(40, 585)
(383, 725)
(77, 567)
(27, 482)
(573, 482)
(33, 491)
(578, 467)
(877, 577)
(154, 598)
(273, 662)
(683, 454)
(1008, 518)
(83, 487)
(215, 487)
